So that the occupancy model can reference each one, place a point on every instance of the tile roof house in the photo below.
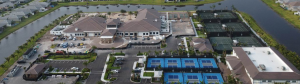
(201, 45)
(11, 17)
(147, 23)
(5, 22)
(35, 71)
(260, 65)
(7, 4)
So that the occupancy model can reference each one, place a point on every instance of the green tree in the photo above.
(123, 11)
(94, 47)
(130, 13)
(109, 13)
(7, 59)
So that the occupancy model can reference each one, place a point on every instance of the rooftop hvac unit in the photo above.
(235, 42)
(249, 53)
(269, 52)
(283, 68)
(262, 66)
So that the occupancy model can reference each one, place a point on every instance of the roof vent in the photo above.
(249, 53)
(283, 68)
(155, 20)
(76, 29)
(269, 52)
(262, 66)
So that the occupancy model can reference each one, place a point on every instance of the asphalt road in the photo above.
(125, 72)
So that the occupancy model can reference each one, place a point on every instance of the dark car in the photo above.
(135, 38)
(148, 38)
(120, 59)
(46, 51)
(58, 45)
(83, 39)
(78, 44)
(119, 63)
(21, 61)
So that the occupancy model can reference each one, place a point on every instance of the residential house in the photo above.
(293, 6)
(201, 45)
(26, 11)
(19, 14)
(23, 1)
(14, 1)
(35, 71)
(261, 65)
(11, 17)
(32, 8)
(6, 23)
(3, 1)
(7, 4)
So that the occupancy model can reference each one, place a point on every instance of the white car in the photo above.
(74, 68)
(115, 71)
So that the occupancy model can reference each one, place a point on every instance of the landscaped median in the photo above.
(147, 2)
(90, 56)
(286, 14)
(108, 67)
(290, 55)
(23, 48)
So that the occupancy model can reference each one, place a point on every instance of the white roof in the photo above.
(199, 25)
(260, 55)
(106, 37)
(194, 13)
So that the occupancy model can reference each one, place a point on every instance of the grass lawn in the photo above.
(201, 34)
(149, 74)
(286, 14)
(26, 21)
(148, 2)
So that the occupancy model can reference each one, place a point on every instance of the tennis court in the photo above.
(155, 62)
(226, 15)
(189, 63)
(212, 78)
(236, 27)
(214, 27)
(222, 43)
(207, 63)
(172, 63)
(207, 16)
(192, 78)
(248, 41)
(173, 78)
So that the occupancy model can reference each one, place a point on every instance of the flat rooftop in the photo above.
(260, 55)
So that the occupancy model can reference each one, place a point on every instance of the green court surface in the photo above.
(236, 27)
(214, 27)
(248, 41)
(222, 43)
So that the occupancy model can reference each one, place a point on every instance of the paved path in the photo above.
(97, 67)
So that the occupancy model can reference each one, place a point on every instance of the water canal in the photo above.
(270, 21)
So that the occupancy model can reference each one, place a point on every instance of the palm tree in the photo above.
(108, 13)
(156, 52)
(2, 65)
(7, 59)
(130, 13)
(213, 7)
(12, 55)
(113, 48)
(149, 52)
(85, 64)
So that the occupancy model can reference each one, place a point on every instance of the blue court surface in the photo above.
(189, 63)
(172, 63)
(207, 63)
(155, 62)
(173, 78)
(192, 78)
(212, 78)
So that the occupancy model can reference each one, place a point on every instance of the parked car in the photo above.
(70, 38)
(21, 61)
(46, 51)
(120, 59)
(78, 44)
(58, 45)
(83, 39)
(119, 63)
(115, 71)
(74, 68)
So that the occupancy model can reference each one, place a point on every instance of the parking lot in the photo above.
(63, 65)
